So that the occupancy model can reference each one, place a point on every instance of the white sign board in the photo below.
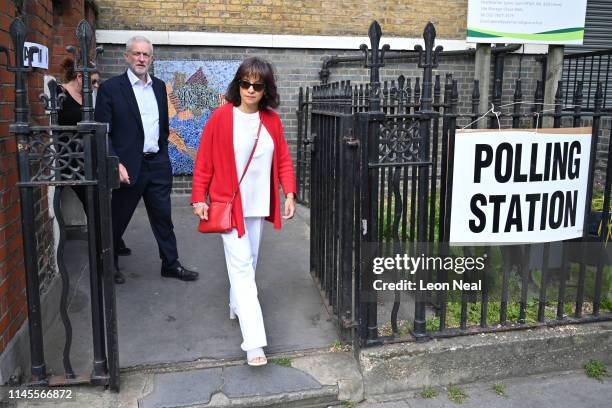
(519, 186)
(40, 59)
(526, 21)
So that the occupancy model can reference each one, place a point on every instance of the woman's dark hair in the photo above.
(255, 67)
(68, 67)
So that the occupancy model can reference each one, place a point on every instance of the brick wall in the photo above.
(297, 68)
(46, 26)
(13, 307)
(64, 26)
(319, 17)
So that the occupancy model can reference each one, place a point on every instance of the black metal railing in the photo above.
(65, 156)
(381, 174)
(585, 70)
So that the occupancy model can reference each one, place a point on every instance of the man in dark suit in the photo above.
(135, 106)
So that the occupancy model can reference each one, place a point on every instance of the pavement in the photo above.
(163, 320)
(307, 384)
(177, 346)
(571, 389)
(179, 349)
(313, 379)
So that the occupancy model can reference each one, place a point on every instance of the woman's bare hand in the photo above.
(289, 206)
(201, 210)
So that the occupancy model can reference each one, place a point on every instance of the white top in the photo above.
(149, 113)
(255, 187)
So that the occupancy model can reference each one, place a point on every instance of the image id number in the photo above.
(39, 394)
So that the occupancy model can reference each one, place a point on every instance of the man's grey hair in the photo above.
(137, 39)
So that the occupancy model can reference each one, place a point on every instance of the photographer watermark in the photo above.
(405, 264)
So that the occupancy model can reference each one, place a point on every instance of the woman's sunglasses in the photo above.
(257, 87)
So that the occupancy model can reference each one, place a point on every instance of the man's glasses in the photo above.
(257, 87)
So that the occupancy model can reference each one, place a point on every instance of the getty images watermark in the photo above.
(406, 264)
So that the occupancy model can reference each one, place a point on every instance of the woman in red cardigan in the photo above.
(228, 141)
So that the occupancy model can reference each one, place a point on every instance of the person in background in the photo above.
(246, 126)
(70, 114)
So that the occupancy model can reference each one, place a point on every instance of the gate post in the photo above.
(21, 130)
(108, 179)
(428, 59)
(87, 130)
(368, 125)
(366, 297)
(348, 228)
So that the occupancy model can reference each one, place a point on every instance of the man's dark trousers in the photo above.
(154, 185)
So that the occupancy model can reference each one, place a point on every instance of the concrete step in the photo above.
(322, 397)
(273, 385)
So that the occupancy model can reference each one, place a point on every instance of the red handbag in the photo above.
(220, 213)
(219, 218)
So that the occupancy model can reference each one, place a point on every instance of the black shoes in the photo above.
(179, 273)
(122, 250)
(119, 278)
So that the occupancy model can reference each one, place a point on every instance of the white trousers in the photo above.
(241, 260)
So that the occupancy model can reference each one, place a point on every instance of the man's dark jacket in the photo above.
(116, 105)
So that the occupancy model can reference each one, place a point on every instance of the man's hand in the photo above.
(289, 206)
(201, 210)
(124, 177)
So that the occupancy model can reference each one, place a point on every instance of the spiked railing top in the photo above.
(429, 56)
(53, 101)
(375, 58)
(598, 97)
(401, 80)
(84, 34)
(18, 32)
(518, 90)
(454, 92)
(476, 90)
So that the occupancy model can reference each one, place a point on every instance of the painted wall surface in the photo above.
(195, 89)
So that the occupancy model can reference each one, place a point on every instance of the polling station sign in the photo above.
(526, 21)
(519, 186)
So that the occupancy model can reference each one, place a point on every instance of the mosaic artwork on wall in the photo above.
(195, 89)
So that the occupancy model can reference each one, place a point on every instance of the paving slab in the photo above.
(243, 381)
(183, 388)
(239, 385)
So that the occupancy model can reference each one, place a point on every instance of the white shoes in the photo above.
(256, 357)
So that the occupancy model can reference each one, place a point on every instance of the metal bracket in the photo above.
(348, 323)
(351, 141)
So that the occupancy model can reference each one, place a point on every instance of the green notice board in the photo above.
(526, 21)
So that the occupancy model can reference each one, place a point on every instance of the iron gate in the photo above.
(377, 161)
(63, 156)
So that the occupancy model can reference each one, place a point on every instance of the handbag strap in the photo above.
(250, 158)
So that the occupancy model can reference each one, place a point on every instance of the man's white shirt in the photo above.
(149, 113)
